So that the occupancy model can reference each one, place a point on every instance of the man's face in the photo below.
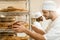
(46, 14)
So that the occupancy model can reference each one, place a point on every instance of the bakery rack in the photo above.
(8, 31)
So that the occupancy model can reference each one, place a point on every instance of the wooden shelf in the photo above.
(13, 13)
(12, 0)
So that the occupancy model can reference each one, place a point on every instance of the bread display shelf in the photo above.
(12, 0)
(6, 30)
(13, 13)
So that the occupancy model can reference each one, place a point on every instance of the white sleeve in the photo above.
(38, 25)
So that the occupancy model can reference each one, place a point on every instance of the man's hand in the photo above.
(18, 27)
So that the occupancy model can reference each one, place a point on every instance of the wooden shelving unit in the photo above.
(15, 13)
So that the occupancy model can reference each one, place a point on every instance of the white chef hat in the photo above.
(35, 14)
(49, 5)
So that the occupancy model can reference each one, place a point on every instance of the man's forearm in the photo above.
(38, 30)
(34, 35)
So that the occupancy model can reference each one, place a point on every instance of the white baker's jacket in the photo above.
(54, 32)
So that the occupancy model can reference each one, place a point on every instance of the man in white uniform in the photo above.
(49, 12)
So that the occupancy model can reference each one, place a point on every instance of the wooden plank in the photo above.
(12, 0)
(13, 13)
